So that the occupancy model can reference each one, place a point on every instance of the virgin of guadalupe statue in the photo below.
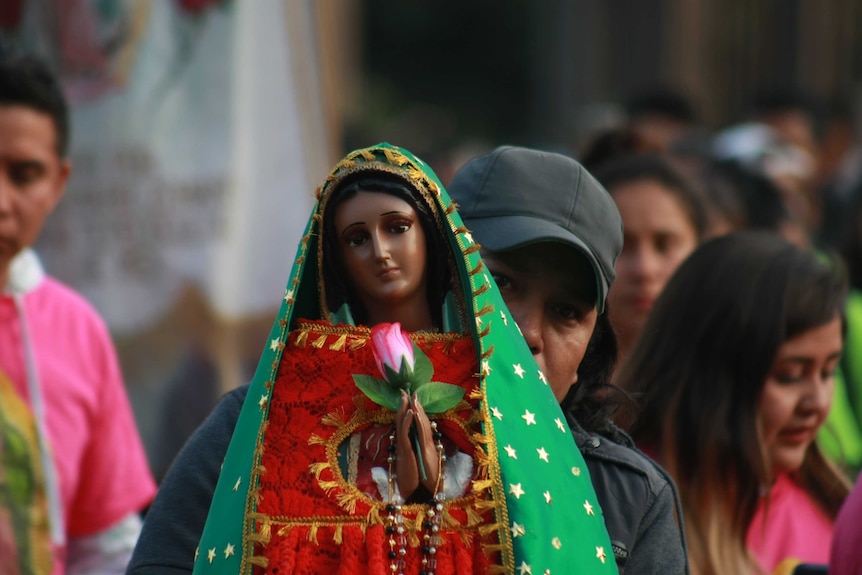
(331, 471)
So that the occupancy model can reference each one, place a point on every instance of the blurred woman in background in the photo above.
(664, 219)
(736, 366)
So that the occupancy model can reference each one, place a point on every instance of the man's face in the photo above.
(550, 290)
(32, 179)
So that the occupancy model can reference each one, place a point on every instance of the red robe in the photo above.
(311, 519)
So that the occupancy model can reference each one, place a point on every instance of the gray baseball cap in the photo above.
(512, 197)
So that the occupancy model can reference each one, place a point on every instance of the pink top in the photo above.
(847, 545)
(793, 526)
(100, 461)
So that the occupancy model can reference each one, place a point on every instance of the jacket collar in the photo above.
(584, 438)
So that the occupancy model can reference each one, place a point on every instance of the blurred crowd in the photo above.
(695, 367)
(788, 168)
(689, 359)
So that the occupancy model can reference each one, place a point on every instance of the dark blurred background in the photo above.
(550, 72)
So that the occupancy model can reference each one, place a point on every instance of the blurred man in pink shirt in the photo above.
(73, 473)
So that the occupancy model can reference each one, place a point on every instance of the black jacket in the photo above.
(639, 501)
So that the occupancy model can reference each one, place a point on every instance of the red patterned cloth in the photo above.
(311, 519)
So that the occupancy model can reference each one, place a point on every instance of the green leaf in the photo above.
(379, 391)
(396, 379)
(423, 370)
(404, 377)
(437, 397)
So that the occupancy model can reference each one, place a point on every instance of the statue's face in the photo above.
(382, 246)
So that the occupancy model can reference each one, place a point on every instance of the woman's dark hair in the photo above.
(657, 168)
(612, 144)
(851, 237)
(727, 208)
(338, 288)
(593, 400)
(661, 101)
(701, 364)
(762, 205)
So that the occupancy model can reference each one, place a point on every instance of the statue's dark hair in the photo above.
(338, 288)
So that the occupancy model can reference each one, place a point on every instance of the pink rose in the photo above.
(391, 346)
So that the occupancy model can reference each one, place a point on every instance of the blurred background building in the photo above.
(201, 129)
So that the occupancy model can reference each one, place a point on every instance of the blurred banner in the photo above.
(190, 163)
(198, 139)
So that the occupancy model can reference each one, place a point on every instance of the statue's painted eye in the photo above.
(356, 240)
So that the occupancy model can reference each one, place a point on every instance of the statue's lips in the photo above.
(388, 273)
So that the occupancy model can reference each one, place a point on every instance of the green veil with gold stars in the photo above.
(547, 518)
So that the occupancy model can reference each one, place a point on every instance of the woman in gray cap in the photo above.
(550, 237)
